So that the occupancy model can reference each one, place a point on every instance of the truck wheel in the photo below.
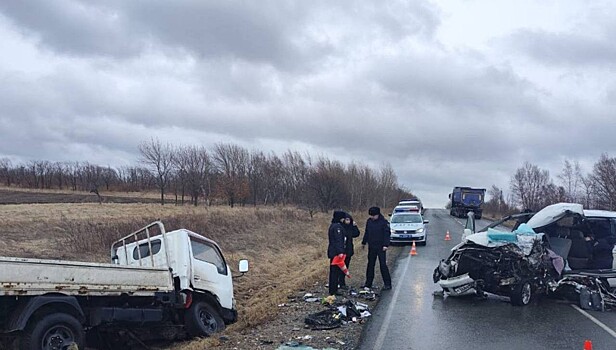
(55, 331)
(203, 320)
(522, 293)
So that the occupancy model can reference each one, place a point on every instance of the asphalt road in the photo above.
(410, 317)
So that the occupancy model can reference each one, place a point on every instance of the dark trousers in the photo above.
(347, 262)
(372, 255)
(334, 277)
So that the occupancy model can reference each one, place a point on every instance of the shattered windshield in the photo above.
(406, 219)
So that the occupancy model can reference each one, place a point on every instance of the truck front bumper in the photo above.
(229, 315)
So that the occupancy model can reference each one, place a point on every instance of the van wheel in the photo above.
(203, 320)
(522, 293)
(57, 331)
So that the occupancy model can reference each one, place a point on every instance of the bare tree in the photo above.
(232, 163)
(254, 172)
(326, 184)
(388, 183)
(527, 185)
(159, 158)
(198, 167)
(5, 171)
(570, 178)
(604, 182)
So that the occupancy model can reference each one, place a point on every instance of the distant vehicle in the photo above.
(412, 202)
(407, 227)
(465, 199)
(159, 284)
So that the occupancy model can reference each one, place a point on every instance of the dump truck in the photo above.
(465, 199)
(172, 285)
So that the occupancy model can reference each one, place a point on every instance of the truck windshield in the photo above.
(406, 219)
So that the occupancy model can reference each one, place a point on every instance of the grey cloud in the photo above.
(565, 48)
(288, 35)
(75, 28)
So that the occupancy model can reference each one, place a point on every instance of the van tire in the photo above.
(522, 293)
(54, 328)
(203, 320)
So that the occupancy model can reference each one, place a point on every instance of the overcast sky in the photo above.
(450, 92)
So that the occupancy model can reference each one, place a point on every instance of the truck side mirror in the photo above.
(243, 268)
(426, 221)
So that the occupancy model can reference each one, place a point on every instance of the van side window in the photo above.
(209, 254)
(144, 249)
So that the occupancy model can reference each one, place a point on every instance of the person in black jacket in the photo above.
(335, 247)
(377, 237)
(350, 231)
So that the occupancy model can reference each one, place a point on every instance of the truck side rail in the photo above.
(141, 234)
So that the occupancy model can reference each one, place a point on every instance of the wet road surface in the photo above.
(410, 317)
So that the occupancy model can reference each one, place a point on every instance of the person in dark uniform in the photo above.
(335, 248)
(377, 237)
(350, 231)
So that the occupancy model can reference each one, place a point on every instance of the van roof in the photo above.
(599, 214)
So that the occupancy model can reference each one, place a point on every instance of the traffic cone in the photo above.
(413, 250)
(587, 345)
(447, 236)
(339, 261)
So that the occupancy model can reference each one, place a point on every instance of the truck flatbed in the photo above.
(29, 277)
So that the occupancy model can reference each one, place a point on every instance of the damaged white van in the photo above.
(552, 251)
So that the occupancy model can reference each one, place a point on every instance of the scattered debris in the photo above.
(328, 300)
(310, 298)
(326, 319)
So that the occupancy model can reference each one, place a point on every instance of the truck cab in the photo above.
(196, 263)
(467, 199)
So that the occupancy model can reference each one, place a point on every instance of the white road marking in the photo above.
(381, 337)
(597, 322)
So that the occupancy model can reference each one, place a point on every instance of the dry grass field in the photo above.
(285, 246)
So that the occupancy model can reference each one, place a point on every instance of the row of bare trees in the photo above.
(533, 188)
(226, 173)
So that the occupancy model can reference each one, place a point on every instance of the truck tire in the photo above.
(522, 293)
(53, 331)
(203, 320)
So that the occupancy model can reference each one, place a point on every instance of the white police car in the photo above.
(407, 227)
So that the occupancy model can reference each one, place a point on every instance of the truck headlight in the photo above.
(420, 230)
(392, 230)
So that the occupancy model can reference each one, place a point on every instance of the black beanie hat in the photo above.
(374, 211)
(338, 215)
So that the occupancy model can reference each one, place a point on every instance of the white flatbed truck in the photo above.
(166, 284)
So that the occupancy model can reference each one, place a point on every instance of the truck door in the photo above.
(210, 272)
